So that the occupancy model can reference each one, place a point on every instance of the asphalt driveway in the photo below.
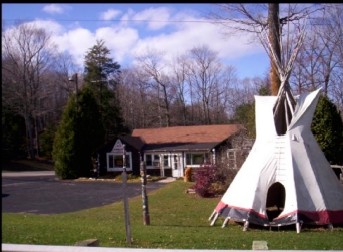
(43, 193)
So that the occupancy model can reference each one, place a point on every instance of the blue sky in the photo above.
(130, 30)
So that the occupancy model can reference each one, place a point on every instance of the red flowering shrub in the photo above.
(212, 180)
(204, 178)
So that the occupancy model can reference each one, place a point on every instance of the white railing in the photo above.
(341, 168)
(5, 247)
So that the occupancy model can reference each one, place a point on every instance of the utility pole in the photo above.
(74, 78)
(126, 204)
(146, 216)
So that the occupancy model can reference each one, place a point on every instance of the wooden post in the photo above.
(97, 165)
(146, 216)
(126, 204)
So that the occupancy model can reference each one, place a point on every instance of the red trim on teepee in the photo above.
(315, 217)
(221, 206)
(323, 217)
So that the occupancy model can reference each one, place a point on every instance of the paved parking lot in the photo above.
(43, 193)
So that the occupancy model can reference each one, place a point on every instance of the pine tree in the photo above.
(245, 114)
(63, 153)
(13, 135)
(327, 127)
(98, 65)
(102, 75)
(78, 136)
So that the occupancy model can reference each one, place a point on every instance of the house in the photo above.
(169, 151)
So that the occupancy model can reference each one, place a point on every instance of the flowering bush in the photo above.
(212, 180)
(204, 177)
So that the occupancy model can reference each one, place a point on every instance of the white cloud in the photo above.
(119, 41)
(110, 14)
(155, 17)
(52, 28)
(125, 40)
(76, 42)
(49, 25)
(127, 16)
(54, 8)
(192, 35)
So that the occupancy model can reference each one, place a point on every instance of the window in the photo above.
(166, 161)
(152, 160)
(115, 162)
(148, 160)
(196, 159)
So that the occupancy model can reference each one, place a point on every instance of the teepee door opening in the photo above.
(275, 200)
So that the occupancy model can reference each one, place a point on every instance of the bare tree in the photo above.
(27, 54)
(151, 64)
(133, 95)
(179, 82)
(222, 95)
(65, 68)
(254, 18)
(204, 77)
(320, 61)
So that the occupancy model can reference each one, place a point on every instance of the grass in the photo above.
(178, 221)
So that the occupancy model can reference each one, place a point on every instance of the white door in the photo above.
(176, 165)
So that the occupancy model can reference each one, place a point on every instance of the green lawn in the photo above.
(178, 220)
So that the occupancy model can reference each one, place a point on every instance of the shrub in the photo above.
(213, 180)
(188, 174)
(327, 128)
(204, 177)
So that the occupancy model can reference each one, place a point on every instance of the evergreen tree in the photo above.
(78, 136)
(327, 127)
(46, 141)
(13, 135)
(245, 113)
(98, 65)
(63, 153)
(102, 75)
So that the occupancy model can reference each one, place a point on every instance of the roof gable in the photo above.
(135, 142)
(187, 134)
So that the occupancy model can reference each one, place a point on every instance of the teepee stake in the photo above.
(225, 221)
(298, 227)
(246, 226)
(212, 215)
(214, 219)
(330, 227)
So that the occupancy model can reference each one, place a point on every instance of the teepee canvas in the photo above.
(286, 178)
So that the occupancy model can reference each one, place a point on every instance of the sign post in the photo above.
(146, 216)
(126, 204)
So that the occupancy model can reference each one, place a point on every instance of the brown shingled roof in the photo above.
(187, 134)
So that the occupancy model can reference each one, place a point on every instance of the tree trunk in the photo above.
(274, 37)
(30, 137)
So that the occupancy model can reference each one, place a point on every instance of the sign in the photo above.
(118, 147)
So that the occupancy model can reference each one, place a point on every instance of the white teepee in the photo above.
(286, 178)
